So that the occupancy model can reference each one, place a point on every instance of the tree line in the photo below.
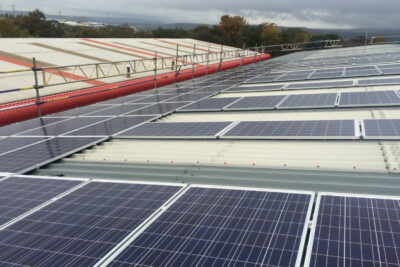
(231, 30)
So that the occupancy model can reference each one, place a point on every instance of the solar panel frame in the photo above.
(21, 127)
(310, 244)
(322, 85)
(294, 130)
(209, 104)
(304, 101)
(109, 259)
(366, 98)
(32, 154)
(260, 88)
(378, 127)
(162, 108)
(10, 144)
(71, 198)
(256, 103)
(81, 111)
(379, 81)
(158, 130)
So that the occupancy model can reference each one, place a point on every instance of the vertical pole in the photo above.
(365, 43)
(221, 59)
(176, 62)
(241, 62)
(194, 54)
(208, 57)
(155, 71)
(34, 68)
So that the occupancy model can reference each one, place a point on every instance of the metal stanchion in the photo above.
(208, 58)
(176, 62)
(155, 71)
(194, 54)
(35, 69)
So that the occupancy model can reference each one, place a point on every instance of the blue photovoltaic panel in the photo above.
(63, 127)
(159, 108)
(220, 227)
(118, 110)
(121, 100)
(82, 227)
(318, 129)
(80, 111)
(40, 153)
(356, 231)
(256, 102)
(155, 98)
(255, 88)
(12, 143)
(390, 69)
(19, 195)
(111, 127)
(382, 129)
(189, 97)
(361, 71)
(379, 81)
(372, 98)
(296, 75)
(179, 91)
(210, 104)
(327, 74)
(264, 78)
(176, 129)
(336, 84)
(309, 101)
(19, 127)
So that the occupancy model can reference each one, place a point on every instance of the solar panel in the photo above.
(317, 129)
(221, 227)
(381, 129)
(309, 101)
(63, 127)
(19, 195)
(179, 90)
(355, 231)
(176, 130)
(336, 84)
(110, 127)
(256, 102)
(83, 226)
(372, 98)
(118, 110)
(291, 76)
(209, 104)
(41, 153)
(264, 78)
(255, 88)
(189, 97)
(378, 81)
(327, 74)
(19, 127)
(159, 108)
(12, 143)
(121, 100)
(155, 98)
(80, 111)
(361, 71)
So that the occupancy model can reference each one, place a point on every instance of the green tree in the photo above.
(230, 30)
(9, 29)
(270, 34)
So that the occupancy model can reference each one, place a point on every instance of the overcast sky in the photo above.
(298, 13)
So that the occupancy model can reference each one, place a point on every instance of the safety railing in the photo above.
(151, 69)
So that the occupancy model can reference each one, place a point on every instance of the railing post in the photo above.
(208, 57)
(34, 68)
(221, 58)
(241, 62)
(194, 54)
(176, 62)
(155, 71)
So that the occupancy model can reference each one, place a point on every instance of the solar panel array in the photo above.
(176, 129)
(210, 104)
(309, 101)
(381, 129)
(219, 227)
(318, 129)
(372, 98)
(256, 102)
(355, 231)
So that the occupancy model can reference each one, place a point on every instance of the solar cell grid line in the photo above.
(154, 98)
(313, 85)
(39, 154)
(370, 98)
(209, 104)
(381, 129)
(176, 130)
(364, 82)
(313, 129)
(256, 102)
(309, 101)
(63, 127)
(23, 126)
(111, 127)
(80, 111)
(18, 194)
(355, 230)
(10, 144)
(82, 226)
(259, 88)
(117, 110)
(158, 108)
(219, 226)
